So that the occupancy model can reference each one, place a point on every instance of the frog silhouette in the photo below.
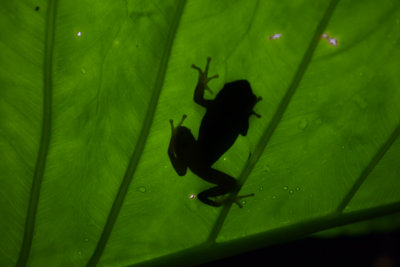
(227, 116)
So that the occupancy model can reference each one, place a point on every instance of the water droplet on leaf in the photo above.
(361, 103)
(303, 124)
(267, 169)
(142, 189)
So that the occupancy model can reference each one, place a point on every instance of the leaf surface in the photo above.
(86, 92)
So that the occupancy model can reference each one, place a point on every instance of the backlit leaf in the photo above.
(87, 89)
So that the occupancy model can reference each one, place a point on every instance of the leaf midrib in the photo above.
(195, 255)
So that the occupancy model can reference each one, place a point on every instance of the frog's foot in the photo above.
(259, 98)
(220, 200)
(238, 198)
(179, 124)
(255, 114)
(203, 75)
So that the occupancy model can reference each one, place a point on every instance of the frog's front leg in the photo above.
(202, 84)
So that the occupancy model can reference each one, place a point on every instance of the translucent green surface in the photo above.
(86, 92)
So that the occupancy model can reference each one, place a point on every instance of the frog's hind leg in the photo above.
(212, 192)
(171, 122)
(236, 200)
(215, 192)
(225, 185)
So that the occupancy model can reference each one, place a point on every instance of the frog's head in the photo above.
(237, 97)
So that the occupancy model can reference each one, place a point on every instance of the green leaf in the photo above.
(86, 92)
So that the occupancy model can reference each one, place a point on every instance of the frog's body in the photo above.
(227, 116)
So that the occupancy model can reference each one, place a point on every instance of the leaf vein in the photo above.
(245, 33)
(369, 168)
(134, 160)
(45, 137)
(275, 119)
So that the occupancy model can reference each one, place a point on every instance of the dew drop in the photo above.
(267, 169)
(303, 124)
(243, 202)
(297, 188)
(285, 188)
(273, 197)
(361, 103)
(192, 196)
(79, 34)
(291, 191)
(142, 189)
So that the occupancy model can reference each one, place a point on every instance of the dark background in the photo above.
(375, 250)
